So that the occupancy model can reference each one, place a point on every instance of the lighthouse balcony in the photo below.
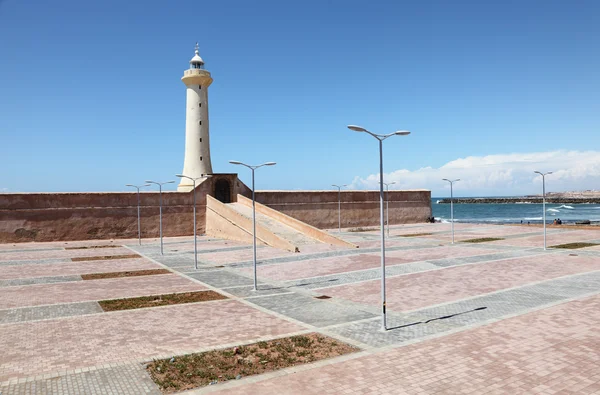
(196, 72)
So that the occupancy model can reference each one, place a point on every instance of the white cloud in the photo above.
(499, 175)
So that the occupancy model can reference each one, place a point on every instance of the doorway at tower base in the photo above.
(233, 221)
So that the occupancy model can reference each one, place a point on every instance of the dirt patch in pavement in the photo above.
(92, 247)
(133, 273)
(159, 300)
(482, 240)
(197, 370)
(104, 257)
(574, 246)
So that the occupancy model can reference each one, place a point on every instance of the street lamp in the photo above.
(138, 209)
(195, 238)
(544, 200)
(235, 162)
(380, 138)
(160, 184)
(387, 205)
(451, 204)
(339, 187)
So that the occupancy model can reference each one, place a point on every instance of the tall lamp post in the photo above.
(195, 238)
(339, 187)
(380, 138)
(137, 187)
(387, 205)
(451, 204)
(235, 162)
(160, 184)
(544, 200)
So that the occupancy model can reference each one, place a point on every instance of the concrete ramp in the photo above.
(309, 231)
(233, 221)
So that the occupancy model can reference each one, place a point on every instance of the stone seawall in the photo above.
(26, 217)
(526, 199)
(358, 208)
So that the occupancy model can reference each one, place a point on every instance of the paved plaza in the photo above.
(499, 317)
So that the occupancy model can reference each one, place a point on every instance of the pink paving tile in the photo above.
(551, 239)
(81, 291)
(414, 291)
(10, 256)
(78, 342)
(423, 254)
(8, 272)
(204, 245)
(555, 350)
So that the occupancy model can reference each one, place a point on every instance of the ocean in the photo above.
(515, 213)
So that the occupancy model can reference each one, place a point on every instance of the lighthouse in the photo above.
(197, 145)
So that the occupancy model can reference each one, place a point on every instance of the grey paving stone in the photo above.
(32, 250)
(446, 262)
(131, 379)
(263, 289)
(35, 261)
(400, 330)
(572, 286)
(309, 310)
(493, 306)
(357, 276)
(221, 278)
(47, 312)
(327, 254)
(38, 280)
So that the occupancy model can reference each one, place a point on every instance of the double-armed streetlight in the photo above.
(203, 176)
(160, 184)
(235, 162)
(544, 200)
(380, 138)
(339, 187)
(387, 205)
(451, 204)
(137, 187)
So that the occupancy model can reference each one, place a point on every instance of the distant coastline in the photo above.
(574, 197)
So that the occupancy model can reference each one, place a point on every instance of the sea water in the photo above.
(515, 212)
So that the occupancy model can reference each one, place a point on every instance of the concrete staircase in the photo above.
(233, 221)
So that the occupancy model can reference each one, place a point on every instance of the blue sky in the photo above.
(92, 98)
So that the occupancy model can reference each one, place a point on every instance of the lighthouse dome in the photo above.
(197, 62)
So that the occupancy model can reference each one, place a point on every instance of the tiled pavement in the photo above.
(485, 304)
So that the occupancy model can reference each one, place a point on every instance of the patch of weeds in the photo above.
(134, 273)
(201, 369)
(416, 234)
(574, 246)
(482, 240)
(92, 247)
(361, 229)
(105, 257)
(159, 300)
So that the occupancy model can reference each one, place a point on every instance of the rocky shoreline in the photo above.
(524, 200)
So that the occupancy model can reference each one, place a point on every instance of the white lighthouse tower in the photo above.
(197, 144)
